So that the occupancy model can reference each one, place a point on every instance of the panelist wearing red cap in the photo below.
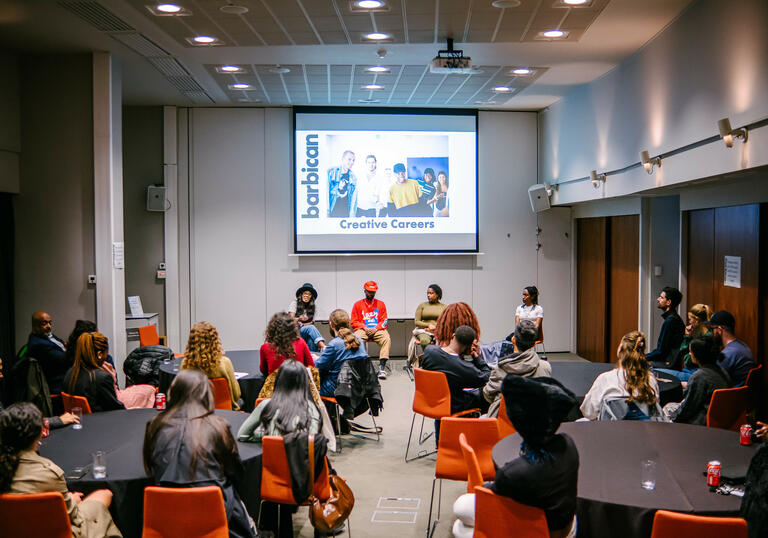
(369, 321)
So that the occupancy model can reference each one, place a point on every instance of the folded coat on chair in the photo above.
(358, 384)
(297, 453)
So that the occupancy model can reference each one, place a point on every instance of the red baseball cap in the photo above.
(371, 286)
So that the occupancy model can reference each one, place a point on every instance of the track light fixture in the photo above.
(597, 178)
(727, 133)
(648, 163)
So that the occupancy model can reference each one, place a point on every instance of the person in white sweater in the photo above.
(631, 379)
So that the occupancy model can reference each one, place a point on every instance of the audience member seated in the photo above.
(708, 377)
(281, 342)
(454, 316)
(754, 504)
(187, 445)
(632, 380)
(345, 346)
(698, 316)
(426, 316)
(49, 350)
(523, 362)
(546, 473)
(290, 409)
(204, 353)
(462, 373)
(53, 422)
(303, 309)
(87, 377)
(530, 309)
(81, 326)
(735, 357)
(672, 329)
(369, 321)
(22, 470)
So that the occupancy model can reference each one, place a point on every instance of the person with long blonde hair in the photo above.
(87, 376)
(344, 346)
(204, 353)
(698, 316)
(632, 379)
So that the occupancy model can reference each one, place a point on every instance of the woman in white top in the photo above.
(631, 379)
(530, 309)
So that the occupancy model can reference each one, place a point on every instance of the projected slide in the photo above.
(385, 182)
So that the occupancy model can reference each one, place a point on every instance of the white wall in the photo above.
(238, 180)
(709, 64)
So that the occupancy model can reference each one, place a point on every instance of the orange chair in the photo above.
(222, 399)
(148, 336)
(540, 339)
(71, 401)
(668, 524)
(728, 408)
(755, 384)
(505, 425)
(432, 399)
(474, 474)
(497, 516)
(276, 476)
(184, 512)
(481, 434)
(20, 515)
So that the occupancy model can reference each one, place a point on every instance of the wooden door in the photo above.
(591, 288)
(624, 279)
(701, 255)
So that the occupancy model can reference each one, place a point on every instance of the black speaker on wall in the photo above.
(156, 198)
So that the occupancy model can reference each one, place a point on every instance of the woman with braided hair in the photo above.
(631, 379)
(22, 470)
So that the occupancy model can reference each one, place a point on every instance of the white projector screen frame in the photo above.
(449, 138)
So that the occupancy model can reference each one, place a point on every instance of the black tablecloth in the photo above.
(579, 376)
(242, 361)
(121, 434)
(611, 501)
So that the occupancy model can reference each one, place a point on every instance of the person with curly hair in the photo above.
(22, 470)
(88, 378)
(454, 316)
(204, 353)
(631, 379)
(281, 342)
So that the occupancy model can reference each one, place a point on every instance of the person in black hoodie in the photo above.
(672, 331)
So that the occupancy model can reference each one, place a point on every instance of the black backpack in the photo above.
(142, 365)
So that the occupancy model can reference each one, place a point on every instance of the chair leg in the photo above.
(430, 524)
(420, 453)
(423, 439)
(410, 434)
(258, 518)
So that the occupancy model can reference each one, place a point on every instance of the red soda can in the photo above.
(713, 473)
(46, 428)
(160, 400)
(746, 434)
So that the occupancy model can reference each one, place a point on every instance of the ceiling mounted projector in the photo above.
(451, 62)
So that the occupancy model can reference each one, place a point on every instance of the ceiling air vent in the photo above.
(97, 15)
(144, 46)
(170, 67)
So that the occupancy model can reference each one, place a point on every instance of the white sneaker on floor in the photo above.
(382, 373)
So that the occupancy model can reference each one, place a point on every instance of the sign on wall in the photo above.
(732, 271)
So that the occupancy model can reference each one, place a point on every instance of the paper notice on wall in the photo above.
(118, 255)
(732, 271)
(134, 302)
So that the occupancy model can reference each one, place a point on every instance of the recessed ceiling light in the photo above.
(553, 34)
(372, 87)
(377, 36)
(232, 9)
(522, 71)
(576, 2)
(168, 8)
(369, 4)
(503, 4)
(378, 69)
(204, 39)
(230, 69)
(369, 101)
(501, 89)
(279, 70)
(240, 86)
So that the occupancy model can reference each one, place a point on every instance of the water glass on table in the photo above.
(648, 474)
(78, 412)
(99, 465)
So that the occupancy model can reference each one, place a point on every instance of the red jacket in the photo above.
(369, 315)
(271, 361)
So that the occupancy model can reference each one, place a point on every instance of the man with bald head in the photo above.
(48, 349)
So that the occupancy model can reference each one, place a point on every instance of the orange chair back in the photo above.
(474, 474)
(432, 397)
(71, 401)
(728, 408)
(755, 385)
(481, 434)
(668, 524)
(505, 425)
(540, 339)
(497, 516)
(148, 336)
(222, 399)
(20, 515)
(276, 474)
(184, 512)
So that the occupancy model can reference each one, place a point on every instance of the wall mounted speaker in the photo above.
(156, 198)
(539, 198)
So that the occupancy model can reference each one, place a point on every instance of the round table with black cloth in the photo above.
(578, 377)
(121, 435)
(611, 501)
(242, 361)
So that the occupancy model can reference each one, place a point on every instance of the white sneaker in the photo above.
(382, 373)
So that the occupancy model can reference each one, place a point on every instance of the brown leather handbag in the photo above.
(327, 516)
